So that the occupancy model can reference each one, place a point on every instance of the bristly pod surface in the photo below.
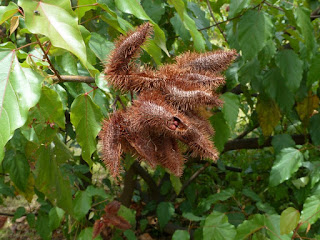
(167, 108)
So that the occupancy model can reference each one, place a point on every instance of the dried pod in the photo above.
(167, 108)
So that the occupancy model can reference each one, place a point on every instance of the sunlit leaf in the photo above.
(289, 219)
(217, 227)
(287, 162)
(19, 91)
(55, 20)
(7, 12)
(311, 209)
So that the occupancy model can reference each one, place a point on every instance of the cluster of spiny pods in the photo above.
(166, 110)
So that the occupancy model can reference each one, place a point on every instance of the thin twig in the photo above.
(190, 180)
(48, 59)
(70, 78)
(215, 21)
(27, 45)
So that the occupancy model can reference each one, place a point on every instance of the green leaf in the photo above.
(254, 29)
(305, 27)
(276, 87)
(311, 209)
(282, 141)
(251, 194)
(287, 162)
(176, 183)
(165, 211)
(154, 8)
(5, 189)
(18, 167)
(179, 28)
(181, 235)
(198, 40)
(87, 233)
(128, 214)
(86, 5)
(55, 20)
(314, 129)
(55, 217)
(217, 227)
(51, 108)
(42, 226)
(19, 213)
(205, 205)
(49, 178)
(19, 91)
(313, 73)
(192, 217)
(129, 234)
(230, 108)
(100, 46)
(267, 52)
(289, 220)
(222, 131)
(7, 12)
(290, 67)
(248, 227)
(236, 6)
(81, 204)
(86, 117)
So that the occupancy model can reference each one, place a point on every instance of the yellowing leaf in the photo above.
(268, 115)
(289, 220)
(306, 107)
(14, 24)
(29, 191)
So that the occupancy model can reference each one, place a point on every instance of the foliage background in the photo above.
(53, 99)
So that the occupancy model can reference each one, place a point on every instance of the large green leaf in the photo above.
(56, 20)
(133, 7)
(198, 41)
(287, 162)
(217, 227)
(7, 12)
(290, 67)
(165, 210)
(311, 209)
(50, 180)
(19, 91)
(86, 117)
(254, 29)
(154, 8)
(289, 220)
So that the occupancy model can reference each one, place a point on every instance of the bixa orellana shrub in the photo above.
(167, 107)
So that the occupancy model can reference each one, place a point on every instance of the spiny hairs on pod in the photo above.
(170, 105)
